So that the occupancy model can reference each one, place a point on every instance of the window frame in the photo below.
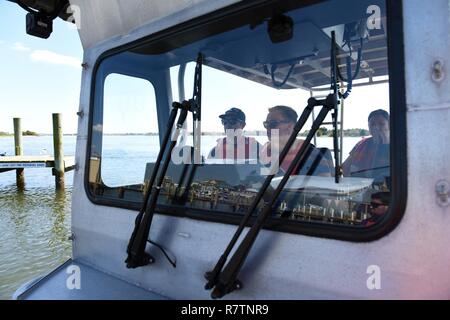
(239, 14)
(153, 92)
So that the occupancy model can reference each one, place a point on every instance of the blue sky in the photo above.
(40, 77)
(37, 77)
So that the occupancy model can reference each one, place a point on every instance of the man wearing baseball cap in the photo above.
(235, 145)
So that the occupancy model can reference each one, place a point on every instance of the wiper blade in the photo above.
(334, 87)
(196, 139)
(226, 281)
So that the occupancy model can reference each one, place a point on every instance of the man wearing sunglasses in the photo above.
(279, 124)
(235, 145)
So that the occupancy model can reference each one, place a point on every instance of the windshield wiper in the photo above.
(226, 281)
(195, 151)
(334, 74)
(137, 256)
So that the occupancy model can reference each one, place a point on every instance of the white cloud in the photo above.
(54, 58)
(18, 46)
(46, 56)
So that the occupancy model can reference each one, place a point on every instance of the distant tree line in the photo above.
(30, 133)
(25, 133)
(324, 132)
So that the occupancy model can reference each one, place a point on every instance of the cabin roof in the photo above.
(99, 22)
(312, 34)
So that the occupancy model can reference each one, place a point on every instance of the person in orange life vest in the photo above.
(280, 123)
(235, 145)
(370, 157)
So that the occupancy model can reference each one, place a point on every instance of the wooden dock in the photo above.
(26, 162)
(58, 162)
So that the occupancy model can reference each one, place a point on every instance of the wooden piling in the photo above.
(18, 149)
(58, 151)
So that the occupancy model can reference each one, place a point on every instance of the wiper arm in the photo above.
(137, 256)
(212, 276)
(149, 259)
(226, 281)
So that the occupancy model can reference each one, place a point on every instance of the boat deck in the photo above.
(94, 285)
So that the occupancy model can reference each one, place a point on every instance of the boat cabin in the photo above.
(361, 213)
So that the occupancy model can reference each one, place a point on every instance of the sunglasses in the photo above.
(274, 123)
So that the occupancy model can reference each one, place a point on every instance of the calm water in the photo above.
(35, 222)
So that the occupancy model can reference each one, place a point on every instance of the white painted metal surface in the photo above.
(414, 258)
(103, 19)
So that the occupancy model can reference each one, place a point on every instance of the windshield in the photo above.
(256, 82)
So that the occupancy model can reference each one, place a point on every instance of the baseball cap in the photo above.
(234, 113)
(379, 112)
